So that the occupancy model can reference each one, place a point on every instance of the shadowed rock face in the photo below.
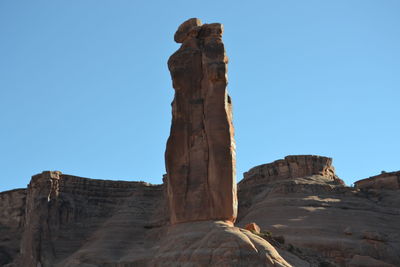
(73, 221)
(12, 215)
(200, 154)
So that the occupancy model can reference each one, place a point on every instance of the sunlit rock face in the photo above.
(200, 154)
(385, 180)
(321, 220)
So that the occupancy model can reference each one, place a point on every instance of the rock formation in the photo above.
(320, 219)
(314, 220)
(73, 221)
(297, 211)
(291, 167)
(12, 221)
(200, 162)
(385, 180)
(200, 154)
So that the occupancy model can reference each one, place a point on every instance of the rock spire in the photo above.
(200, 154)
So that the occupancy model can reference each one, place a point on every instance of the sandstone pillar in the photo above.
(200, 154)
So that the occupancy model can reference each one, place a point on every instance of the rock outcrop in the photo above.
(75, 221)
(297, 211)
(291, 167)
(12, 216)
(214, 243)
(200, 162)
(319, 218)
(67, 220)
(200, 154)
(385, 180)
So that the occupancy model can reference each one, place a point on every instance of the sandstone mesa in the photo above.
(292, 212)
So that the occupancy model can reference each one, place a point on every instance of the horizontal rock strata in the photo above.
(72, 221)
(76, 221)
(289, 168)
(320, 219)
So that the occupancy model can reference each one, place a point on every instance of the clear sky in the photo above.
(85, 89)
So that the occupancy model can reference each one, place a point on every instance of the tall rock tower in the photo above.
(200, 155)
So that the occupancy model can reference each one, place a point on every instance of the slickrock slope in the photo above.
(200, 154)
(214, 243)
(320, 219)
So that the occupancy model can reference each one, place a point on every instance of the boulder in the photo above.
(252, 227)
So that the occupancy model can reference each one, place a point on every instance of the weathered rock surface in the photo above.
(291, 167)
(200, 154)
(385, 180)
(299, 212)
(314, 220)
(75, 221)
(12, 211)
(321, 220)
(214, 243)
(252, 227)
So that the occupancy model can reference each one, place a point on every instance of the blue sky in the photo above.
(85, 89)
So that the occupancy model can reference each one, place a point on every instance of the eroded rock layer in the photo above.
(200, 154)
(289, 168)
(12, 221)
(320, 219)
(385, 180)
(75, 221)
(312, 220)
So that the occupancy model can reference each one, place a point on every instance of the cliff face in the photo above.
(12, 215)
(72, 220)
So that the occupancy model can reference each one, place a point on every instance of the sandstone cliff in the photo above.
(72, 221)
(12, 216)
(64, 220)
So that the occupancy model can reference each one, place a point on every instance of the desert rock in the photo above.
(385, 180)
(214, 243)
(200, 154)
(322, 220)
(252, 227)
(75, 221)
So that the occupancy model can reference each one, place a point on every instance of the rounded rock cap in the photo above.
(185, 28)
